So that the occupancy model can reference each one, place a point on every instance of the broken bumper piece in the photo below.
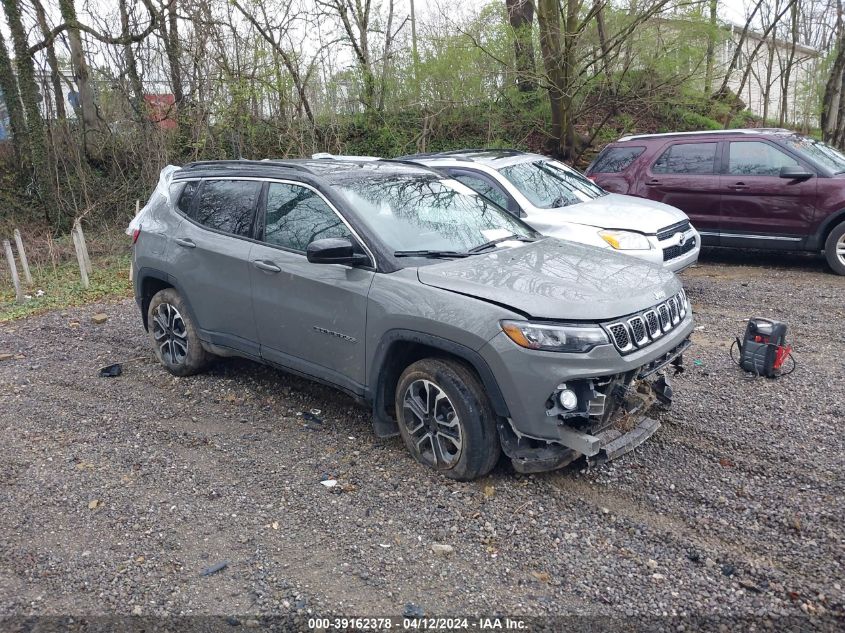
(529, 456)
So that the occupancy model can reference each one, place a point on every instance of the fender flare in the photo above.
(816, 240)
(381, 368)
(153, 273)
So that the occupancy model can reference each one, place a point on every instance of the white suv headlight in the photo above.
(554, 338)
(625, 240)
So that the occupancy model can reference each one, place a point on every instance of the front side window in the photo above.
(615, 159)
(687, 158)
(755, 158)
(296, 216)
(549, 185)
(411, 212)
(227, 205)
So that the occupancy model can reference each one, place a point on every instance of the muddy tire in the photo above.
(174, 335)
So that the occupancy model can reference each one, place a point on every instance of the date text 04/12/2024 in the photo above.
(417, 624)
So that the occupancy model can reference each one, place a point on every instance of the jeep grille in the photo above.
(643, 328)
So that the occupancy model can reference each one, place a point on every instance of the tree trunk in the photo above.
(55, 74)
(833, 93)
(767, 86)
(548, 18)
(521, 16)
(137, 88)
(787, 73)
(90, 119)
(710, 60)
(12, 98)
(30, 97)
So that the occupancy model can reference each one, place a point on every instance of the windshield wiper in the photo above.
(425, 253)
(491, 243)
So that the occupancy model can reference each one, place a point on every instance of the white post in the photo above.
(22, 255)
(10, 257)
(80, 258)
(84, 246)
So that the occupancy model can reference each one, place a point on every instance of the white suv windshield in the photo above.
(413, 213)
(820, 152)
(549, 184)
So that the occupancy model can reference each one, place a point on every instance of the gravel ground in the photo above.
(115, 494)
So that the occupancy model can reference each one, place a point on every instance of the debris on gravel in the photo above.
(117, 494)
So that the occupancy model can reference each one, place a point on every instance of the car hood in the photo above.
(556, 279)
(616, 211)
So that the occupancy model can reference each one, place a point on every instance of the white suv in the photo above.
(559, 201)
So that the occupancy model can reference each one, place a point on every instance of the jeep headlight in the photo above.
(554, 338)
(625, 240)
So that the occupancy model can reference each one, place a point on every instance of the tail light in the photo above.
(135, 234)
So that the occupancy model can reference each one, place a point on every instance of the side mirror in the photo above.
(795, 172)
(334, 250)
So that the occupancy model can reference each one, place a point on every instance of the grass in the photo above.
(62, 287)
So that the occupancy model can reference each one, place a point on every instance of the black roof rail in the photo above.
(244, 163)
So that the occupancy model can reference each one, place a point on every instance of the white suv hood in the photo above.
(613, 211)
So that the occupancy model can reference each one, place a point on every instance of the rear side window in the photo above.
(755, 158)
(227, 205)
(687, 158)
(615, 159)
(296, 216)
(186, 197)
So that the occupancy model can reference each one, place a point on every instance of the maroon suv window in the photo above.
(687, 158)
(615, 159)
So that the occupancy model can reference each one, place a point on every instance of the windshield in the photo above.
(417, 213)
(549, 184)
(820, 152)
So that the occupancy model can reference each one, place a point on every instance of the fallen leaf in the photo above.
(725, 462)
(541, 576)
(92, 505)
(489, 491)
(275, 525)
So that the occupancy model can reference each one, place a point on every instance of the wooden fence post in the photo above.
(22, 255)
(78, 227)
(10, 257)
(80, 258)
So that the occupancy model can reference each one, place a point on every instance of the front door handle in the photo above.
(184, 241)
(654, 182)
(270, 267)
(739, 186)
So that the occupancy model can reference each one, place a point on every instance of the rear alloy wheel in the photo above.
(834, 249)
(446, 420)
(174, 335)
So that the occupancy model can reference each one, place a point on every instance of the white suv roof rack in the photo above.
(759, 130)
(328, 156)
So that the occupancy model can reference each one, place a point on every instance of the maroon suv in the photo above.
(763, 188)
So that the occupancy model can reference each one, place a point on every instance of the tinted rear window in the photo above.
(615, 159)
(687, 158)
(228, 205)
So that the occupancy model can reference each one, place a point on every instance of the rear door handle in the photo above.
(654, 182)
(740, 186)
(184, 241)
(270, 267)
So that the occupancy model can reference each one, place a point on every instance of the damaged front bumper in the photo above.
(611, 422)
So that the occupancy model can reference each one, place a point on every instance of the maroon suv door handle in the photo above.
(739, 186)
(654, 182)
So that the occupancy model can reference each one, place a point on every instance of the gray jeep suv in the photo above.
(465, 330)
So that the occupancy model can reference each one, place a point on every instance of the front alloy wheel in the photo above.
(432, 424)
(446, 419)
